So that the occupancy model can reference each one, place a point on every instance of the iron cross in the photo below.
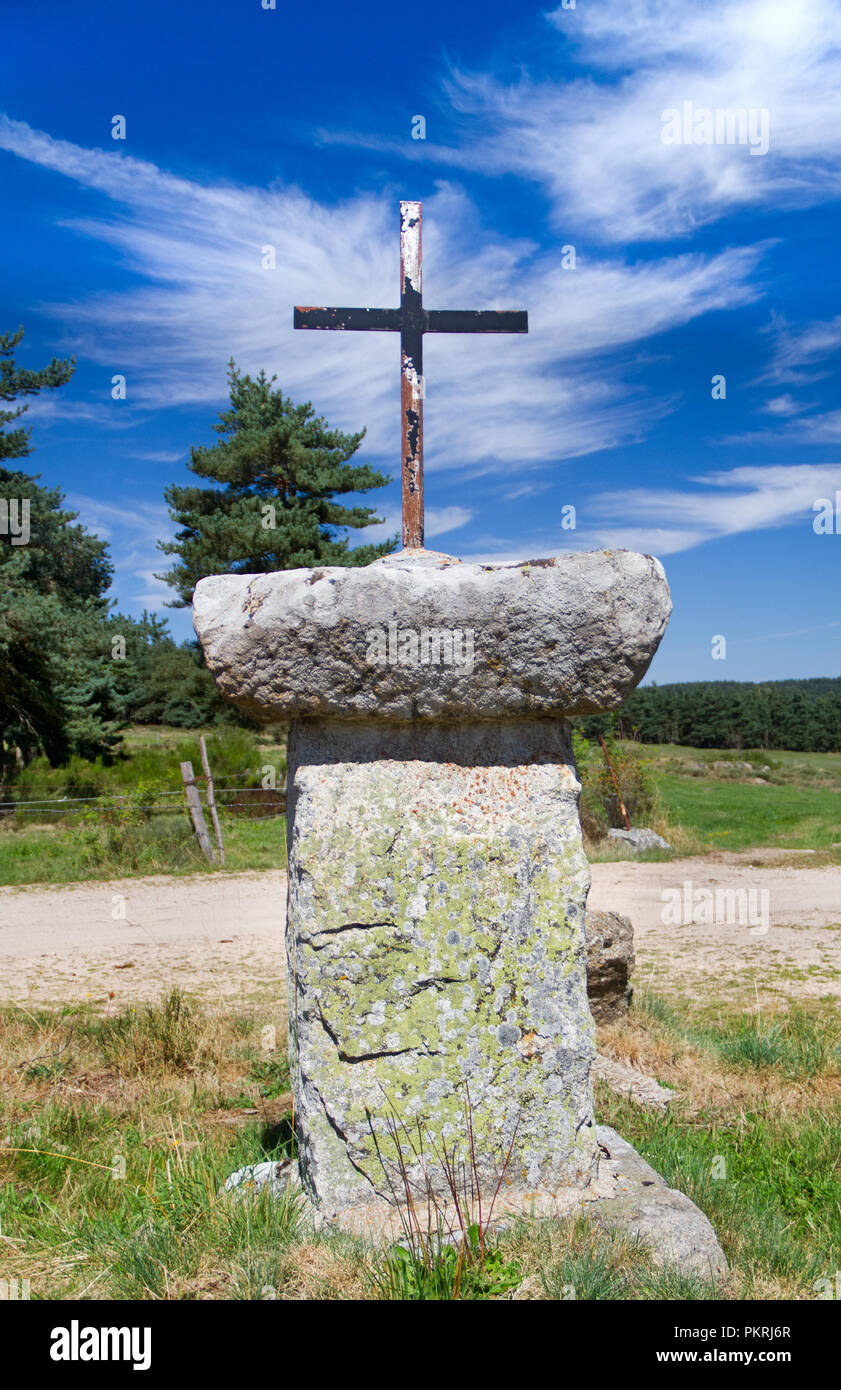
(411, 321)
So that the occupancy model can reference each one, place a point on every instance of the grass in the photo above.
(118, 837)
(753, 1136)
(56, 854)
(117, 1132)
(717, 799)
(799, 1043)
(151, 755)
(736, 815)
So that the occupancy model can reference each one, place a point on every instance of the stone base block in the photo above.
(437, 967)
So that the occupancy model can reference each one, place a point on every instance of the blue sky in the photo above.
(545, 129)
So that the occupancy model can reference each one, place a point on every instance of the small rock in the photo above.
(640, 838)
(610, 961)
(260, 1175)
(627, 1081)
(530, 1289)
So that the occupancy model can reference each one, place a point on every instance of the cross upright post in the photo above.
(411, 321)
(411, 373)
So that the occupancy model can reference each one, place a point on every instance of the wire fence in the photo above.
(54, 796)
(261, 801)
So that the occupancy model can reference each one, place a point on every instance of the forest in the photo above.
(803, 715)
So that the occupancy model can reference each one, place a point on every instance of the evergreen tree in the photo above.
(162, 682)
(275, 473)
(18, 381)
(72, 671)
(59, 687)
(56, 685)
(796, 714)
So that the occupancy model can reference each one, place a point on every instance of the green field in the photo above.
(56, 854)
(130, 816)
(705, 800)
(783, 799)
(735, 816)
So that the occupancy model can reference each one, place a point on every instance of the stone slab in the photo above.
(424, 636)
(676, 1231)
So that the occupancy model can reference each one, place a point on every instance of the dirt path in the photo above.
(773, 932)
(222, 936)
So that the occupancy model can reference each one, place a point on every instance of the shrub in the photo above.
(599, 805)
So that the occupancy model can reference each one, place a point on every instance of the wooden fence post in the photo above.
(211, 800)
(194, 803)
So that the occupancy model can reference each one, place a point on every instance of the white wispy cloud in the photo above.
(132, 532)
(594, 142)
(821, 428)
(437, 522)
(526, 401)
(161, 455)
(781, 636)
(797, 348)
(55, 410)
(783, 405)
(729, 502)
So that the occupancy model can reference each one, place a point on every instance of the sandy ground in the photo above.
(217, 935)
(222, 936)
(779, 936)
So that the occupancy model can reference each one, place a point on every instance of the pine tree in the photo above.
(21, 381)
(53, 578)
(275, 473)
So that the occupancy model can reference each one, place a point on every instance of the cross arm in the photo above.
(477, 321)
(376, 320)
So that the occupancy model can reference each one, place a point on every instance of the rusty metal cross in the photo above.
(411, 321)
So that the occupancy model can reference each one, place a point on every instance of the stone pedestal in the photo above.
(435, 939)
(437, 880)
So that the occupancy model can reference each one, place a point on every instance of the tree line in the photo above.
(804, 715)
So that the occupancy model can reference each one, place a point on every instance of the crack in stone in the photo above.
(435, 982)
(390, 847)
(340, 1133)
(328, 1030)
(370, 1056)
(373, 1056)
(336, 931)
